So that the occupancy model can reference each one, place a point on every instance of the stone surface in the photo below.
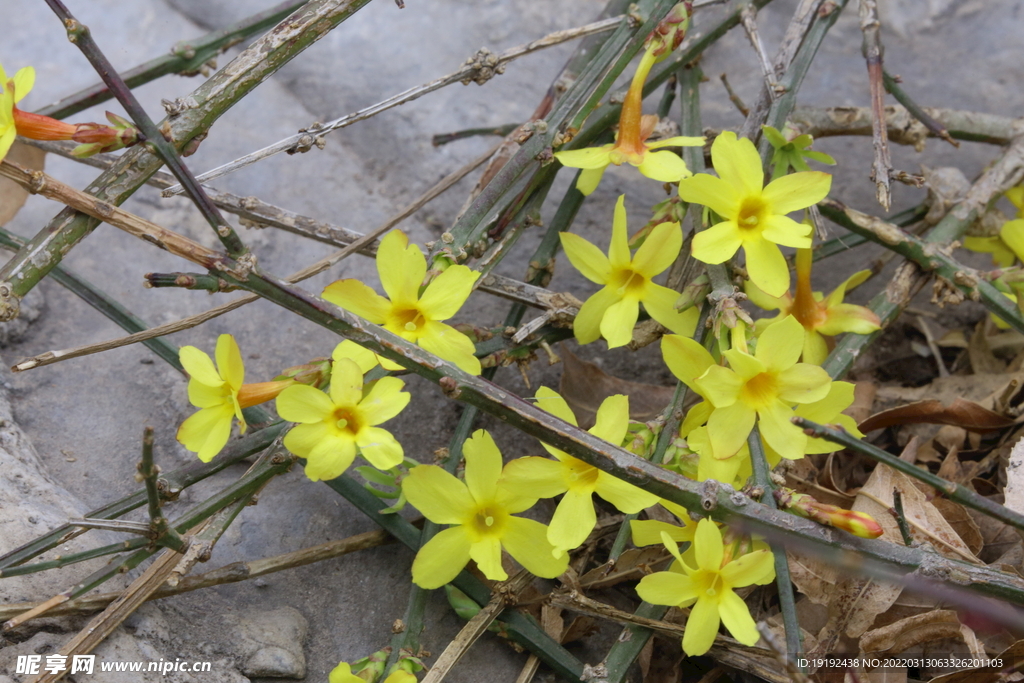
(270, 642)
(86, 416)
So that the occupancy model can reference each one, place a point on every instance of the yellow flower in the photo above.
(331, 428)
(613, 311)
(754, 215)
(709, 588)
(482, 510)
(220, 395)
(574, 517)
(763, 387)
(648, 531)
(343, 674)
(818, 315)
(412, 316)
(11, 92)
(631, 142)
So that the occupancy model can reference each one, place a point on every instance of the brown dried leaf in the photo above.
(918, 509)
(1014, 491)
(863, 399)
(12, 196)
(983, 359)
(906, 633)
(981, 388)
(961, 522)
(627, 567)
(960, 413)
(815, 579)
(584, 386)
(1010, 656)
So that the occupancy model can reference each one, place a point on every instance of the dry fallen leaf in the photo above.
(906, 633)
(12, 196)
(584, 386)
(960, 413)
(1010, 656)
(1014, 491)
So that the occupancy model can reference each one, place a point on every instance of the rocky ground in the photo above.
(70, 433)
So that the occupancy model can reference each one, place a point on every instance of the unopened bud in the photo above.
(694, 293)
(254, 394)
(97, 138)
(669, 33)
(316, 373)
(857, 523)
(639, 438)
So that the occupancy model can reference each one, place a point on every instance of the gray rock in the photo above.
(270, 643)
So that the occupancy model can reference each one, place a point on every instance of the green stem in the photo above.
(933, 126)
(445, 138)
(171, 485)
(523, 628)
(787, 600)
(187, 57)
(103, 303)
(162, 533)
(80, 35)
(214, 97)
(955, 492)
(901, 518)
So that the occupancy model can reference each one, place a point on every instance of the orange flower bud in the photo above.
(38, 127)
(857, 523)
(253, 394)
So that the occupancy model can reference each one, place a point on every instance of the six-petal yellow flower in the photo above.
(613, 311)
(708, 587)
(412, 316)
(574, 517)
(819, 315)
(482, 511)
(763, 387)
(754, 215)
(333, 427)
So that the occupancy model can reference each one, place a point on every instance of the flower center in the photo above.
(752, 213)
(408, 319)
(760, 390)
(708, 582)
(628, 283)
(345, 421)
(581, 475)
(488, 520)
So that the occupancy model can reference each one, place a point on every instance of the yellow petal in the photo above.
(787, 232)
(384, 401)
(786, 438)
(486, 552)
(441, 497)
(534, 476)
(685, 358)
(717, 244)
(825, 410)
(815, 348)
(708, 542)
(666, 588)
(836, 297)
(587, 324)
(207, 431)
(401, 267)
(618, 322)
(648, 532)
(729, 427)
(363, 357)
(552, 402)
(204, 396)
(451, 345)
(23, 82)
(573, 520)
(301, 439)
(302, 403)
(229, 361)
(726, 470)
(7, 136)
(695, 417)
(380, 448)
(736, 617)
(665, 167)
(745, 365)
(483, 466)
(445, 295)
(1012, 234)
(660, 303)
(780, 345)
(612, 419)
(441, 559)
(762, 300)
(712, 192)
(586, 258)
(720, 386)
(526, 541)
(618, 249)
(766, 266)
(749, 569)
(738, 163)
(343, 674)
(678, 141)
(659, 250)
(849, 318)
(587, 158)
(589, 179)
(346, 383)
(199, 366)
(803, 383)
(797, 191)
(354, 296)
(624, 496)
(701, 626)
(330, 457)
